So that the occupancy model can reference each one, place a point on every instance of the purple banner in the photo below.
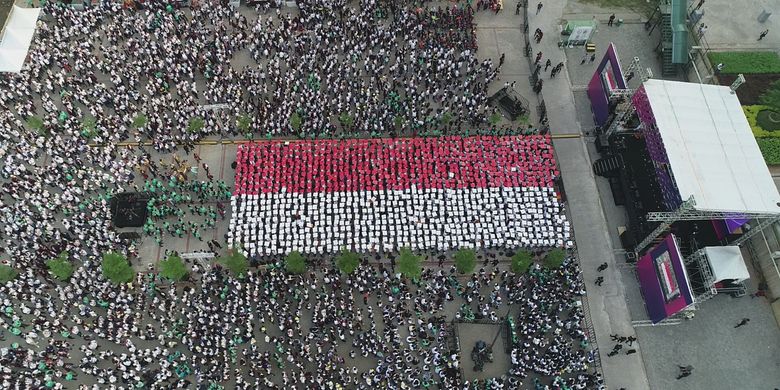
(608, 76)
(663, 280)
(656, 150)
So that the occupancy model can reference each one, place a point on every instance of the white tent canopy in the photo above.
(712, 153)
(16, 37)
(726, 262)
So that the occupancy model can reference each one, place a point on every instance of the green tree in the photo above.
(347, 121)
(521, 261)
(409, 264)
(173, 268)
(446, 118)
(296, 121)
(244, 123)
(35, 123)
(554, 258)
(495, 118)
(116, 268)
(236, 262)
(465, 260)
(347, 261)
(60, 267)
(398, 121)
(140, 121)
(294, 263)
(7, 274)
(771, 96)
(196, 124)
(89, 123)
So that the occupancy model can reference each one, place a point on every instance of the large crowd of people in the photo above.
(272, 329)
(379, 195)
(150, 72)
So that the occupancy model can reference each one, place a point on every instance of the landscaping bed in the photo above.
(755, 85)
(770, 149)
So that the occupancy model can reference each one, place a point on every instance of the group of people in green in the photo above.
(177, 199)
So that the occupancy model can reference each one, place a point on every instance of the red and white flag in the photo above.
(382, 194)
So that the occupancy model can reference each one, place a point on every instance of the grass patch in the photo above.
(770, 149)
(747, 61)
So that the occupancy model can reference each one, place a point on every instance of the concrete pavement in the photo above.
(608, 308)
(733, 25)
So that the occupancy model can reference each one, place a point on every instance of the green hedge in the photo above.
(768, 141)
(747, 61)
(768, 120)
(770, 149)
(751, 113)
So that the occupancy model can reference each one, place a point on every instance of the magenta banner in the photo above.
(608, 77)
(663, 280)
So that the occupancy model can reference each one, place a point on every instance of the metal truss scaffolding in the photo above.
(703, 271)
(688, 212)
(626, 108)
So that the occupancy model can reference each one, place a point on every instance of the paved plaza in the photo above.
(373, 329)
(751, 359)
(272, 329)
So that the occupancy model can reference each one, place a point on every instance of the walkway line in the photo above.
(246, 141)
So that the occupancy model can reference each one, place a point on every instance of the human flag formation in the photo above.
(373, 195)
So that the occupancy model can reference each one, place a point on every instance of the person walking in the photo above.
(743, 322)
(517, 9)
(759, 293)
(547, 64)
(599, 281)
(538, 57)
(763, 34)
(538, 86)
(684, 371)
(611, 20)
(539, 7)
(718, 68)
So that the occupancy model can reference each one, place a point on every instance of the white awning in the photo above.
(726, 262)
(712, 153)
(16, 37)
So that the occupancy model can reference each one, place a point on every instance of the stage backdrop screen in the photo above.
(663, 280)
(608, 77)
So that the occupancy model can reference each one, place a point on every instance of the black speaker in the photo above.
(128, 209)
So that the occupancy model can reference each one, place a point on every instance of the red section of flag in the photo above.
(395, 164)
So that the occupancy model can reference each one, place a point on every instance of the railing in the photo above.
(590, 331)
(698, 55)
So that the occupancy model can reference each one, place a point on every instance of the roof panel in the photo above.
(712, 153)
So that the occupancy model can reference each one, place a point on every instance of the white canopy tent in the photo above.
(726, 263)
(16, 37)
(712, 153)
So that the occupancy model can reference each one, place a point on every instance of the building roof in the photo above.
(16, 36)
(727, 263)
(712, 153)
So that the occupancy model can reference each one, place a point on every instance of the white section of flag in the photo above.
(378, 221)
